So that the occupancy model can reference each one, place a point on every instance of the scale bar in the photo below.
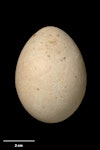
(18, 140)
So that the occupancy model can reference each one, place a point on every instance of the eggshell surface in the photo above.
(50, 75)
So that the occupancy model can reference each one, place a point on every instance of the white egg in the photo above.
(50, 75)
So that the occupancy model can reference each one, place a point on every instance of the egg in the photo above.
(50, 76)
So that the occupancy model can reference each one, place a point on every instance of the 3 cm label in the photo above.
(18, 145)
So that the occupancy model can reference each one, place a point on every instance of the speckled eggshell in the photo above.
(50, 75)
